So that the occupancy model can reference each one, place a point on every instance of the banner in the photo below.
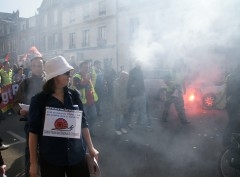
(7, 94)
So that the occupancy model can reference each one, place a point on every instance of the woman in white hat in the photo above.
(58, 127)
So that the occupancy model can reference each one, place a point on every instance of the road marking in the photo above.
(21, 139)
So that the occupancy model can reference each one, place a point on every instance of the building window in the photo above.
(45, 21)
(50, 43)
(86, 12)
(23, 45)
(44, 42)
(53, 41)
(102, 35)
(102, 8)
(56, 41)
(72, 15)
(23, 26)
(72, 40)
(55, 17)
(8, 29)
(134, 25)
(1, 47)
(1, 29)
(32, 41)
(102, 32)
(49, 2)
(85, 41)
(14, 45)
(32, 22)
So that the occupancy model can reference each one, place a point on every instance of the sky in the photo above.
(27, 8)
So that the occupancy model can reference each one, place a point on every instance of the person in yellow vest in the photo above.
(6, 74)
(83, 83)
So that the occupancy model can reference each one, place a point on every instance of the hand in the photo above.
(3, 169)
(93, 153)
(23, 113)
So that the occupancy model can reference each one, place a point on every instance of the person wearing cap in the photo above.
(28, 88)
(59, 152)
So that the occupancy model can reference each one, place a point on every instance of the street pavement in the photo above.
(167, 150)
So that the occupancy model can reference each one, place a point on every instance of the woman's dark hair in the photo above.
(49, 86)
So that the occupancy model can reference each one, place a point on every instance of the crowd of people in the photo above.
(61, 85)
(57, 84)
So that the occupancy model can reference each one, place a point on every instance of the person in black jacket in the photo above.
(26, 90)
(136, 95)
(232, 105)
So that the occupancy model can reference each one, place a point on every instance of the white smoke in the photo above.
(202, 32)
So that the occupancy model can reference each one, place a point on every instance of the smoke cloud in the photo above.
(205, 34)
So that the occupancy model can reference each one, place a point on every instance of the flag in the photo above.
(7, 57)
(35, 51)
(31, 53)
(4, 57)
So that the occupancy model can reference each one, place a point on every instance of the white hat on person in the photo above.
(56, 66)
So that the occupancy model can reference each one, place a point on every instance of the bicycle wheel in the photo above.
(224, 167)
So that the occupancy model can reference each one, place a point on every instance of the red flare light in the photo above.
(191, 97)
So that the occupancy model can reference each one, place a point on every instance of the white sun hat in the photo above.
(56, 66)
